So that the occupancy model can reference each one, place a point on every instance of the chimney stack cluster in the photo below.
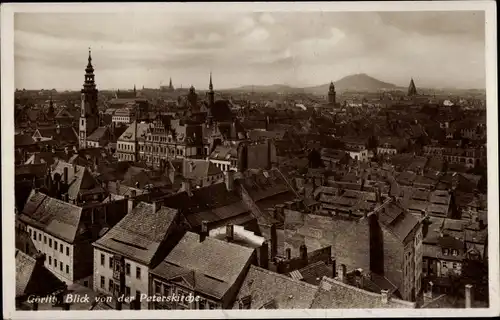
(204, 230)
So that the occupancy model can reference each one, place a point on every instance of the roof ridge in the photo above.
(283, 277)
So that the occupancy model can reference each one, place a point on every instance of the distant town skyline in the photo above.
(299, 49)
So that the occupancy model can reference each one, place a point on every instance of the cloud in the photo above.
(306, 48)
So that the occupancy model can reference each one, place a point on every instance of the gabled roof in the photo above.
(79, 179)
(264, 286)
(56, 217)
(395, 218)
(210, 266)
(334, 294)
(131, 134)
(199, 169)
(139, 234)
(33, 277)
(98, 134)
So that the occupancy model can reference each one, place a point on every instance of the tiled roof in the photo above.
(313, 273)
(65, 135)
(54, 216)
(130, 134)
(139, 234)
(264, 286)
(29, 274)
(333, 294)
(199, 169)
(98, 134)
(39, 170)
(21, 140)
(397, 220)
(79, 179)
(226, 153)
(213, 264)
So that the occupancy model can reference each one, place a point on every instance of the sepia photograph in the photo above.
(249, 160)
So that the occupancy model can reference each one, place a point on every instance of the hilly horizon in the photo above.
(355, 82)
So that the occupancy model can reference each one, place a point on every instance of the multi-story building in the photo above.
(124, 255)
(127, 143)
(174, 139)
(124, 116)
(470, 157)
(204, 267)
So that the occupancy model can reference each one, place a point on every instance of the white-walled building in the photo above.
(134, 245)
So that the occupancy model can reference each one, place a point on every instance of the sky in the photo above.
(437, 49)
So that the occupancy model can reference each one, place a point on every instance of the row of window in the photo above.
(445, 264)
(161, 288)
(162, 150)
(125, 156)
(60, 264)
(125, 146)
(127, 266)
(111, 287)
(446, 252)
(121, 119)
(223, 166)
(39, 239)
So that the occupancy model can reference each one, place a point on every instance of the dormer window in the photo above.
(445, 252)
(455, 252)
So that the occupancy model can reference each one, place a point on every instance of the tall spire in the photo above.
(210, 85)
(412, 89)
(211, 93)
(89, 84)
(170, 86)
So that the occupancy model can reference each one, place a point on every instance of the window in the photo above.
(55, 262)
(444, 264)
(67, 251)
(102, 259)
(454, 265)
(455, 252)
(103, 282)
(111, 285)
(157, 287)
(29, 231)
(55, 244)
(202, 304)
(127, 291)
(127, 269)
(212, 305)
(50, 260)
(67, 269)
(39, 237)
(166, 289)
(45, 239)
(34, 235)
(445, 252)
(60, 266)
(138, 272)
(111, 263)
(61, 248)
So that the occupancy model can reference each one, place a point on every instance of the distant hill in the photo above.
(355, 82)
(279, 88)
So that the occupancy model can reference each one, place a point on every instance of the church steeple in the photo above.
(332, 95)
(51, 106)
(412, 89)
(135, 91)
(211, 93)
(170, 86)
(89, 117)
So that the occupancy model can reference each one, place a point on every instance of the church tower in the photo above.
(412, 90)
(332, 94)
(170, 86)
(89, 117)
(211, 93)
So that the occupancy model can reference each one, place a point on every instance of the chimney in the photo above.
(66, 197)
(186, 186)
(303, 253)
(229, 178)
(156, 206)
(130, 205)
(204, 230)
(74, 168)
(274, 241)
(65, 175)
(341, 273)
(40, 259)
(229, 233)
(334, 266)
(288, 253)
(133, 193)
(264, 255)
(280, 210)
(469, 295)
(385, 296)
(290, 205)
